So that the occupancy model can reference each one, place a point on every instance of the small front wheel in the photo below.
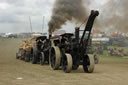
(67, 63)
(88, 63)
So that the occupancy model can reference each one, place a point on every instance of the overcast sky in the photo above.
(14, 15)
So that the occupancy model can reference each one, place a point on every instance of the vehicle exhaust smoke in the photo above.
(114, 16)
(66, 10)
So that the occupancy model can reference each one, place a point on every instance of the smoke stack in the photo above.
(77, 34)
(50, 35)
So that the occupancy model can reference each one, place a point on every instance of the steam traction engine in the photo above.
(41, 51)
(69, 50)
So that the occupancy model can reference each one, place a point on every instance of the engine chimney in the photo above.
(77, 34)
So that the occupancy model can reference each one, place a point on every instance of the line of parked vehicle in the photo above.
(67, 50)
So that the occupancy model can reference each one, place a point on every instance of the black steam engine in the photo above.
(68, 51)
(40, 50)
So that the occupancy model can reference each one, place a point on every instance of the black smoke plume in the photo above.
(66, 10)
(114, 16)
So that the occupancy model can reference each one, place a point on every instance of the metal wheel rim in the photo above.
(67, 63)
(88, 63)
(92, 64)
(55, 57)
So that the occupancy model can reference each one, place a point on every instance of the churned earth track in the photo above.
(110, 71)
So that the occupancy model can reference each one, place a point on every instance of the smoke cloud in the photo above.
(66, 10)
(114, 16)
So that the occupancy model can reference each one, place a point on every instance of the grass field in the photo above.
(110, 70)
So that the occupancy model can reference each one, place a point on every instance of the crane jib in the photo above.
(87, 32)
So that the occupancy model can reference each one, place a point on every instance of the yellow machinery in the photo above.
(25, 50)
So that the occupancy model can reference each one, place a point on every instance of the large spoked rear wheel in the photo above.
(27, 57)
(42, 58)
(67, 63)
(35, 55)
(34, 58)
(54, 57)
(88, 63)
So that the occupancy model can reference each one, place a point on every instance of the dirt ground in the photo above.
(110, 71)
